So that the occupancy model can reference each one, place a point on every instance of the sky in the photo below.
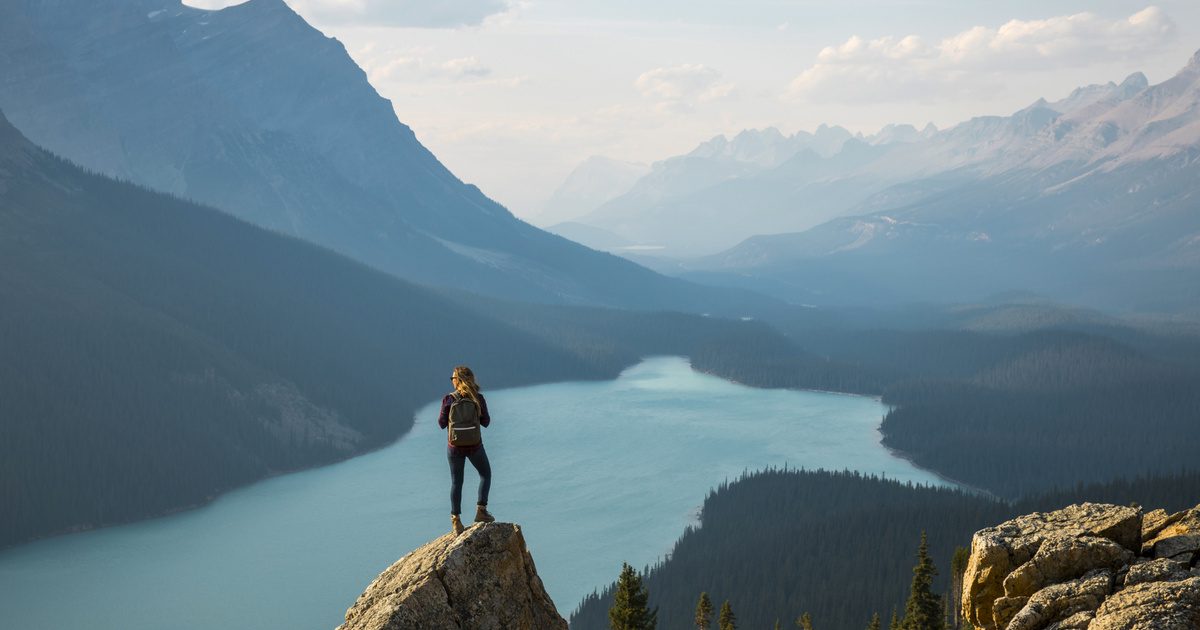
(511, 95)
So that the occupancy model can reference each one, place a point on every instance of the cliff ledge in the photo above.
(484, 578)
(1086, 567)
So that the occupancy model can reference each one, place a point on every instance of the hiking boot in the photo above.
(456, 524)
(482, 515)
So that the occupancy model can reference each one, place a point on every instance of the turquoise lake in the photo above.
(596, 473)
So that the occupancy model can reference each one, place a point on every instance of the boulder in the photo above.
(1061, 601)
(1078, 621)
(1172, 546)
(997, 551)
(1161, 570)
(484, 578)
(1154, 520)
(1152, 606)
(1183, 523)
(1064, 557)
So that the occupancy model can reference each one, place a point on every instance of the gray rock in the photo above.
(1062, 601)
(1176, 545)
(1152, 606)
(484, 579)
(1064, 557)
(1078, 621)
(998, 551)
(1182, 523)
(1161, 570)
(1153, 522)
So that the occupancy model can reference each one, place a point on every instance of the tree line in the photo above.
(837, 548)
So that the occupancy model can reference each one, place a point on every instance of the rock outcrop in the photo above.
(1086, 567)
(484, 578)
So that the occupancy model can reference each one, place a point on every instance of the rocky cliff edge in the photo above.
(1086, 567)
(483, 578)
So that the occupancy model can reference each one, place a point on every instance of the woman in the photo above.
(464, 413)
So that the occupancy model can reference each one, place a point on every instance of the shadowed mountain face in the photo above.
(156, 353)
(251, 110)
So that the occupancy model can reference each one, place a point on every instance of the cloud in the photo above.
(973, 62)
(465, 67)
(383, 64)
(681, 88)
(412, 13)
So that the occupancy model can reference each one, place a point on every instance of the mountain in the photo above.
(595, 181)
(1092, 199)
(251, 110)
(157, 352)
(697, 203)
(1061, 153)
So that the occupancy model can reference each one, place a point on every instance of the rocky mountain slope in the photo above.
(251, 110)
(483, 578)
(1092, 198)
(1095, 199)
(700, 202)
(1086, 567)
(595, 181)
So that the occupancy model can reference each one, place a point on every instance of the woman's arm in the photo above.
(484, 418)
(444, 415)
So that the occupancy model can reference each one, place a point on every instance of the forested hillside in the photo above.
(156, 353)
(837, 545)
(1005, 411)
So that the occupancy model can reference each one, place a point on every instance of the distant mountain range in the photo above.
(699, 202)
(251, 110)
(595, 181)
(1094, 198)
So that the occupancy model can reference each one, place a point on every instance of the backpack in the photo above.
(463, 428)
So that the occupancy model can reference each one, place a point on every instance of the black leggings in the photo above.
(457, 463)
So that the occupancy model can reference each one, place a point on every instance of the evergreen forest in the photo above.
(840, 546)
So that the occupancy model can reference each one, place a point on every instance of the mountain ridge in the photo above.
(1096, 128)
(250, 110)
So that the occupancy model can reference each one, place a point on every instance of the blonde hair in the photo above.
(466, 385)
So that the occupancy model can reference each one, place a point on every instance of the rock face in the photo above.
(1086, 567)
(483, 579)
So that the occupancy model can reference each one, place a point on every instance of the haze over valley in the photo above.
(228, 255)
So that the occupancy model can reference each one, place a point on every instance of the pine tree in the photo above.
(874, 625)
(703, 612)
(804, 622)
(958, 568)
(727, 620)
(629, 610)
(777, 625)
(923, 611)
(894, 624)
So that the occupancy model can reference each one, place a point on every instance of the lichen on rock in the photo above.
(1086, 567)
(483, 579)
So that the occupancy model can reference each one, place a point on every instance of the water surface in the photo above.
(596, 473)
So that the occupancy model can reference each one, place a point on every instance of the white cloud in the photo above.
(465, 67)
(384, 64)
(680, 88)
(413, 13)
(417, 13)
(972, 62)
